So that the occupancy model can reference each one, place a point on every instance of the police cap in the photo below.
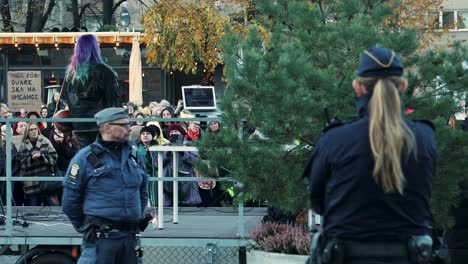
(379, 62)
(110, 114)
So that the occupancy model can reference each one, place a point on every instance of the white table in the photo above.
(175, 173)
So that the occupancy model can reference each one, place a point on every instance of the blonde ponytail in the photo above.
(388, 133)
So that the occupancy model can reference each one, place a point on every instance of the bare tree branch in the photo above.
(46, 15)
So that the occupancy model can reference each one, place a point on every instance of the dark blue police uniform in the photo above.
(354, 207)
(106, 191)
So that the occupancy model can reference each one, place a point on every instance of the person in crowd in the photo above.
(37, 157)
(34, 114)
(214, 127)
(106, 192)
(136, 127)
(3, 130)
(8, 114)
(148, 136)
(21, 113)
(90, 85)
(4, 109)
(373, 188)
(47, 125)
(151, 106)
(164, 104)
(131, 108)
(65, 145)
(180, 106)
(18, 128)
(156, 112)
(188, 190)
(44, 112)
(18, 131)
(193, 132)
(18, 194)
(146, 111)
(211, 192)
(56, 105)
(139, 114)
(166, 113)
(464, 125)
(160, 139)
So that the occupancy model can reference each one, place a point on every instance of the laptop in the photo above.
(200, 100)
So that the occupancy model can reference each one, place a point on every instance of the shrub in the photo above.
(282, 238)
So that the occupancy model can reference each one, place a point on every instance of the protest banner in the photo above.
(24, 90)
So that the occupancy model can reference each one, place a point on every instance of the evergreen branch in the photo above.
(435, 92)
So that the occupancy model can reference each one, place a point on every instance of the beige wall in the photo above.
(455, 4)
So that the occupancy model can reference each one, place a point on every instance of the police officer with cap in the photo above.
(106, 192)
(371, 179)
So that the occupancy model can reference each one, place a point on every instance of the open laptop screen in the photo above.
(199, 97)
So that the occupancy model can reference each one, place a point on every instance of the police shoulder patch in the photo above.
(73, 171)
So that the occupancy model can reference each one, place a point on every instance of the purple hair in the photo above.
(86, 52)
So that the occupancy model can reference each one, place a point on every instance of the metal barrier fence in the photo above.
(210, 254)
(179, 253)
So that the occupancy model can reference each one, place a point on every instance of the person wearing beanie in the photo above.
(214, 127)
(148, 136)
(173, 128)
(371, 179)
(160, 136)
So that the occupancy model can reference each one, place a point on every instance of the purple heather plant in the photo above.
(282, 238)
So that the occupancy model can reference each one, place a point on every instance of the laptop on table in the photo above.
(200, 100)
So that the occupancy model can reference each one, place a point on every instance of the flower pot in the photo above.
(262, 257)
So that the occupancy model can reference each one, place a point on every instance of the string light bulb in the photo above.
(16, 43)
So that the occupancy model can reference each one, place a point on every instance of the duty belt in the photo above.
(360, 250)
(108, 225)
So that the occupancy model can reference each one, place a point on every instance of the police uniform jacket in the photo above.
(352, 204)
(117, 190)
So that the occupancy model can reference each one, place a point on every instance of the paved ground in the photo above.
(8, 259)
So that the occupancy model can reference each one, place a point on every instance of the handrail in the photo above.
(9, 178)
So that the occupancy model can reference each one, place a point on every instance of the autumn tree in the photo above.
(181, 34)
(420, 15)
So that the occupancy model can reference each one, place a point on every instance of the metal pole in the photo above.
(9, 196)
(160, 191)
(175, 200)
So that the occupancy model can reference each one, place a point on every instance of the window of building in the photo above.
(462, 20)
(448, 20)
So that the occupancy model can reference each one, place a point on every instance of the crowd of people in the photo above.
(42, 149)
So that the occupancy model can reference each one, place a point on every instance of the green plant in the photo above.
(281, 87)
(282, 238)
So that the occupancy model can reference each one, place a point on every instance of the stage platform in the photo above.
(196, 227)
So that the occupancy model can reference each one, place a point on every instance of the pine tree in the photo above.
(281, 86)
